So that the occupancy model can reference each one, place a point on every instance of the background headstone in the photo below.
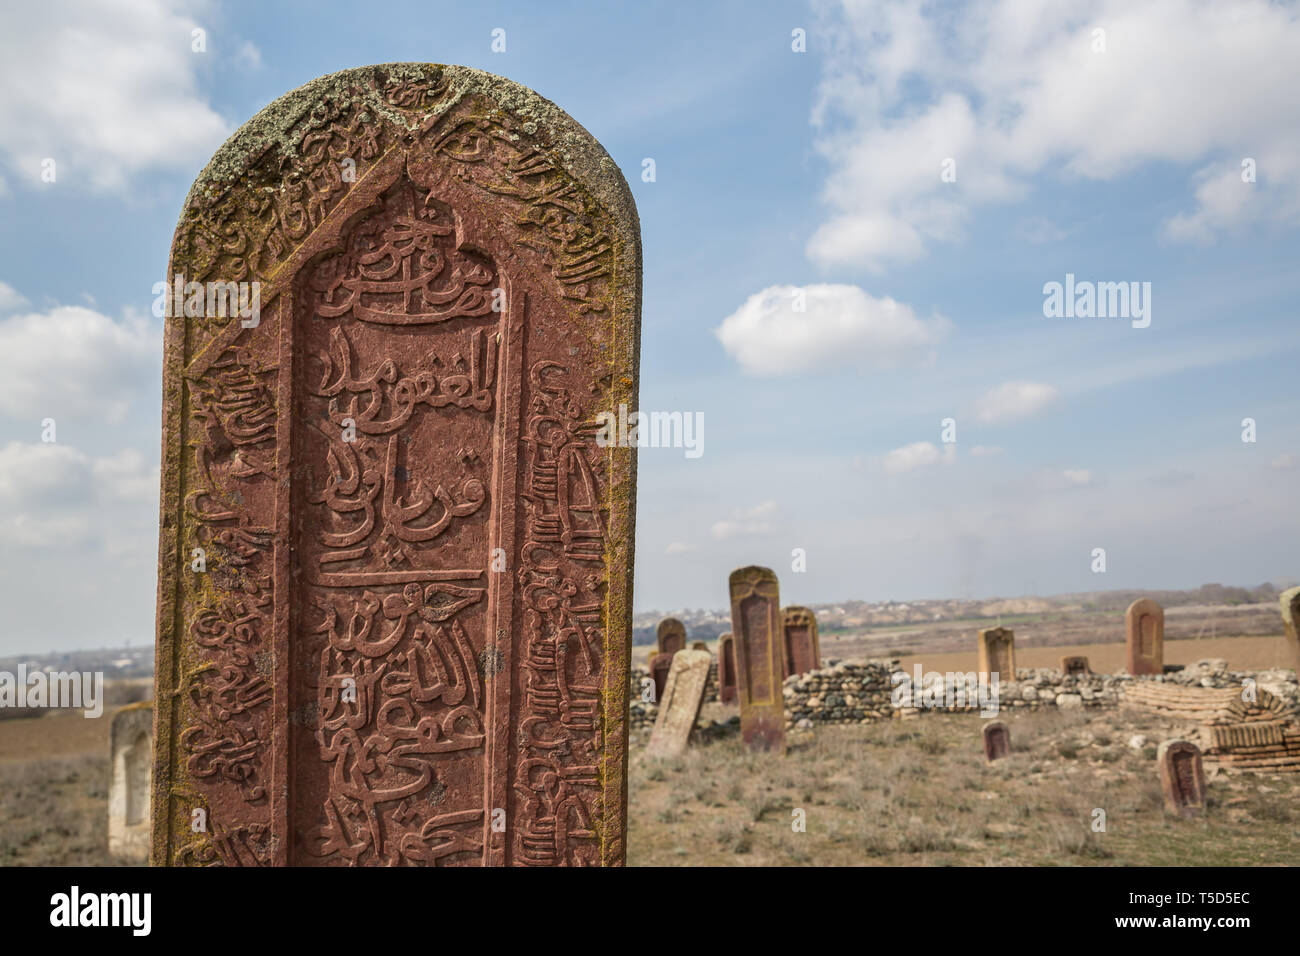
(1291, 621)
(997, 652)
(1182, 777)
(726, 669)
(413, 540)
(997, 741)
(671, 635)
(1144, 624)
(801, 644)
(131, 759)
(756, 627)
(660, 666)
(680, 705)
(1075, 666)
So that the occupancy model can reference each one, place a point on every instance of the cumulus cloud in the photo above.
(1284, 462)
(105, 90)
(921, 454)
(74, 361)
(755, 520)
(788, 329)
(1011, 92)
(1012, 401)
(10, 298)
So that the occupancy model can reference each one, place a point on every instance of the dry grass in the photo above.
(918, 792)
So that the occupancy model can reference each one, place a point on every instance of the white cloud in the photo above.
(1284, 462)
(74, 361)
(10, 298)
(1012, 401)
(756, 520)
(1077, 477)
(1013, 91)
(921, 454)
(985, 451)
(679, 547)
(840, 325)
(106, 90)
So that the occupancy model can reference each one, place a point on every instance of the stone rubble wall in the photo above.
(642, 714)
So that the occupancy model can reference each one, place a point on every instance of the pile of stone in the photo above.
(847, 692)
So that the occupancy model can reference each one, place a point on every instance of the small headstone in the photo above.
(131, 758)
(756, 624)
(997, 652)
(1144, 624)
(1075, 666)
(997, 741)
(396, 542)
(660, 666)
(1182, 777)
(802, 647)
(1290, 602)
(679, 708)
(699, 645)
(726, 669)
(671, 635)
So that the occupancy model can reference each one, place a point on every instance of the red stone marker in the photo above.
(801, 645)
(671, 636)
(1075, 667)
(1145, 626)
(997, 741)
(1182, 777)
(726, 669)
(1291, 622)
(997, 652)
(756, 624)
(395, 564)
(660, 666)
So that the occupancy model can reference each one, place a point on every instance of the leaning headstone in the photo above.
(997, 741)
(131, 759)
(1291, 621)
(726, 669)
(396, 538)
(1144, 624)
(801, 645)
(756, 624)
(660, 667)
(671, 635)
(679, 708)
(1182, 777)
(997, 652)
(1075, 667)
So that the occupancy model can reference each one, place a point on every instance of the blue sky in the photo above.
(1113, 156)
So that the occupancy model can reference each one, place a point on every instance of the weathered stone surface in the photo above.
(699, 645)
(671, 635)
(756, 625)
(997, 652)
(802, 650)
(1290, 602)
(409, 640)
(131, 759)
(1144, 623)
(1075, 666)
(726, 669)
(997, 741)
(1182, 777)
(679, 708)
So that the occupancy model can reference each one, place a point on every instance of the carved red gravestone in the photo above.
(395, 564)
(1182, 777)
(1291, 622)
(801, 645)
(671, 635)
(1145, 629)
(726, 670)
(1075, 667)
(997, 741)
(756, 624)
(660, 665)
(997, 652)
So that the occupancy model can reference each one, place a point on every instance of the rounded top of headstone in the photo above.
(1290, 599)
(1144, 605)
(752, 573)
(671, 625)
(408, 97)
